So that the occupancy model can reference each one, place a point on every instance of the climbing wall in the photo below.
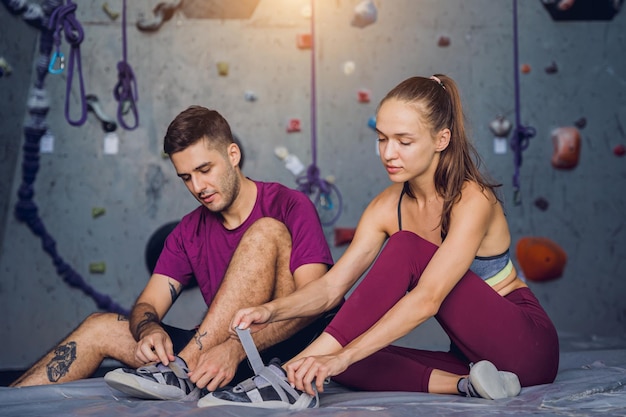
(102, 194)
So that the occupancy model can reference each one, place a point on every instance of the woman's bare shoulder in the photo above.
(476, 192)
(388, 197)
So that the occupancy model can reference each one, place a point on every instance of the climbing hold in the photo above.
(365, 14)
(443, 42)
(222, 68)
(552, 68)
(344, 235)
(5, 68)
(566, 142)
(93, 105)
(349, 67)
(161, 13)
(304, 41)
(250, 96)
(619, 150)
(587, 10)
(371, 122)
(306, 11)
(581, 123)
(97, 267)
(293, 126)
(112, 15)
(97, 212)
(540, 258)
(500, 127)
(541, 203)
(292, 162)
(363, 96)
(525, 68)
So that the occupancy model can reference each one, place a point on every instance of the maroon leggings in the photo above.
(512, 332)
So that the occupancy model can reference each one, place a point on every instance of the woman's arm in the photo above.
(469, 223)
(324, 293)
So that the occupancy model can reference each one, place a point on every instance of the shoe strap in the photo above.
(251, 351)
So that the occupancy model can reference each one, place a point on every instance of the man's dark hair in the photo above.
(196, 123)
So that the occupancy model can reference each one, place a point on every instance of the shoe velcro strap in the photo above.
(280, 385)
(251, 351)
(177, 370)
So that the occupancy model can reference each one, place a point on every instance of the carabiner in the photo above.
(57, 56)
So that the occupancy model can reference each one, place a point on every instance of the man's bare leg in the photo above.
(101, 335)
(258, 272)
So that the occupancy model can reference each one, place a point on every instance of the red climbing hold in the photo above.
(566, 147)
(343, 235)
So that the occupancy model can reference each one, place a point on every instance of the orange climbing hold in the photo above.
(304, 41)
(566, 142)
(540, 258)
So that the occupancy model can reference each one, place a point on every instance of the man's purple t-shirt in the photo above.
(201, 246)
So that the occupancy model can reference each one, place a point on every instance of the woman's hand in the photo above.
(314, 369)
(255, 318)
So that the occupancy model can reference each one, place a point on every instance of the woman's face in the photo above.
(407, 148)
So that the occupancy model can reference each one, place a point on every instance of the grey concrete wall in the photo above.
(176, 67)
(17, 44)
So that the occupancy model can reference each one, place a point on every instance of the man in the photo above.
(247, 243)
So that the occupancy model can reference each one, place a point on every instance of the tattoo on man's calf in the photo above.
(59, 365)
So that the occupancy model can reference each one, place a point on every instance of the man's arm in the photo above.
(145, 319)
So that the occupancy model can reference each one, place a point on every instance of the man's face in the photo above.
(210, 175)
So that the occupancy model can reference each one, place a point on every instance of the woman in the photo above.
(437, 241)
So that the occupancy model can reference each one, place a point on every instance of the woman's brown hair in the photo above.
(439, 103)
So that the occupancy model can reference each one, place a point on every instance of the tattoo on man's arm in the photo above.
(173, 292)
(198, 338)
(59, 365)
(149, 317)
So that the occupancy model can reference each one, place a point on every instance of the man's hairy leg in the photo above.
(257, 273)
(78, 356)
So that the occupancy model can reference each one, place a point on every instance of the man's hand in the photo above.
(155, 346)
(216, 367)
(256, 318)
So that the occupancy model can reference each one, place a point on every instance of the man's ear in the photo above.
(443, 139)
(234, 154)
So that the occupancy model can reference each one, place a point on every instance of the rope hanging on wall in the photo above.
(521, 134)
(34, 128)
(311, 183)
(125, 91)
(63, 19)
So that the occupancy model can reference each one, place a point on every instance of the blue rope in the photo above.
(26, 210)
(521, 134)
(312, 182)
(125, 91)
(63, 19)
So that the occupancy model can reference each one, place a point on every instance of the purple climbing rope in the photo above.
(521, 134)
(63, 19)
(125, 91)
(312, 181)
(35, 127)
